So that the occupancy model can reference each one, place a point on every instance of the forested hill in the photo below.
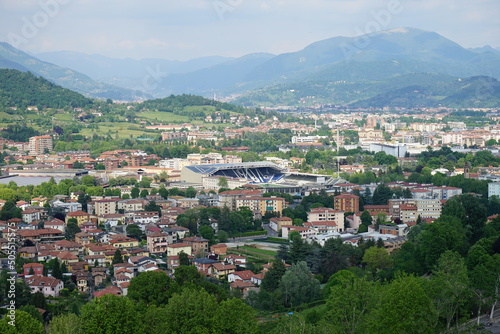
(22, 89)
(179, 102)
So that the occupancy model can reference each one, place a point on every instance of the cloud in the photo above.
(188, 29)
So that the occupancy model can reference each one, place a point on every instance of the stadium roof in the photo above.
(213, 168)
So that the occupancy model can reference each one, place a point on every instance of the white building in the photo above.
(397, 150)
(494, 189)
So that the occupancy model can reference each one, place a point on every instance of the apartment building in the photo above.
(40, 144)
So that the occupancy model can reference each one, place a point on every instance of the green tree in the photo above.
(350, 302)
(223, 182)
(381, 194)
(134, 231)
(377, 259)
(273, 277)
(151, 287)
(191, 192)
(206, 232)
(403, 307)
(117, 257)
(134, 193)
(23, 323)
(449, 286)
(72, 228)
(191, 311)
(110, 314)
(184, 259)
(65, 324)
(234, 316)
(298, 286)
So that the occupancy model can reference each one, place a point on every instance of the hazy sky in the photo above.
(185, 29)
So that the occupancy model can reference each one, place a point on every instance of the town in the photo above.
(328, 192)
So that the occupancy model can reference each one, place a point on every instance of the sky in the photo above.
(187, 29)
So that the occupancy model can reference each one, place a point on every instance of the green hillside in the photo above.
(22, 89)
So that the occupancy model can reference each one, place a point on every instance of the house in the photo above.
(48, 286)
(243, 286)
(92, 260)
(83, 281)
(204, 265)
(98, 275)
(157, 242)
(220, 270)
(245, 276)
(198, 245)
(69, 246)
(30, 215)
(84, 238)
(175, 249)
(236, 260)
(276, 223)
(257, 278)
(55, 224)
(67, 258)
(109, 290)
(80, 216)
(218, 249)
(35, 268)
(29, 252)
(123, 242)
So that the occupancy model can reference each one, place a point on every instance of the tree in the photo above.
(144, 193)
(381, 194)
(191, 192)
(449, 285)
(377, 259)
(234, 316)
(191, 311)
(273, 277)
(206, 232)
(110, 314)
(403, 307)
(151, 287)
(23, 323)
(222, 183)
(72, 228)
(298, 286)
(163, 192)
(184, 259)
(56, 269)
(38, 300)
(65, 324)
(366, 218)
(134, 193)
(350, 302)
(117, 257)
(134, 231)
(297, 250)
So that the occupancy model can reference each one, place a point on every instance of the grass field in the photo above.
(256, 255)
(119, 128)
(163, 117)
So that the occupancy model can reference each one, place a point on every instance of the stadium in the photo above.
(254, 172)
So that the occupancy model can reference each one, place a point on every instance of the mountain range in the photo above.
(339, 70)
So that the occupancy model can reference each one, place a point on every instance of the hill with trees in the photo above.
(23, 89)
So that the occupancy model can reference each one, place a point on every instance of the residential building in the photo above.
(346, 202)
(198, 245)
(262, 204)
(175, 249)
(48, 286)
(40, 144)
(276, 223)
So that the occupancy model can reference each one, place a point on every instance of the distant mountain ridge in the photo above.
(12, 58)
(369, 62)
